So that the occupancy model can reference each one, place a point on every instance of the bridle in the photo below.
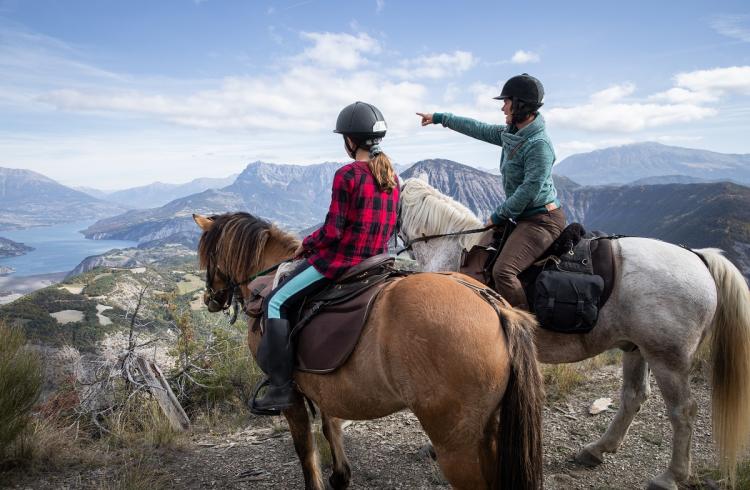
(232, 293)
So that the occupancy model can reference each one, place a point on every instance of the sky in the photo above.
(113, 94)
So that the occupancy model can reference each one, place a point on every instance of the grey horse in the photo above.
(665, 301)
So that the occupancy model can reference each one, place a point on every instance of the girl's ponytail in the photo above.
(382, 169)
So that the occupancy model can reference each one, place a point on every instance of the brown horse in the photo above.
(431, 345)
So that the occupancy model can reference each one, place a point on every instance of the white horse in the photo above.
(664, 302)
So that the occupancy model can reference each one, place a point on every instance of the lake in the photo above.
(58, 248)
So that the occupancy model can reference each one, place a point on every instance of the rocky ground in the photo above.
(385, 453)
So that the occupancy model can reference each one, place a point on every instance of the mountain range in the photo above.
(293, 196)
(158, 193)
(628, 163)
(672, 205)
(31, 199)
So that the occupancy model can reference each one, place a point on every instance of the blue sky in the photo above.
(112, 94)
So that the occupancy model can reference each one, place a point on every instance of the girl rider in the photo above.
(526, 166)
(360, 220)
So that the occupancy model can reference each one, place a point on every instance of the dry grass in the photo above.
(560, 380)
(711, 478)
(139, 473)
(20, 385)
(129, 453)
(141, 424)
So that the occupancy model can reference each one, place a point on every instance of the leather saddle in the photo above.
(478, 262)
(328, 325)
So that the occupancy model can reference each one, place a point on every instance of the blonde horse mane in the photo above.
(425, 211)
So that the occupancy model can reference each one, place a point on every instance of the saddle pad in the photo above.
(604, 265)
(284, 270)
(328, 340)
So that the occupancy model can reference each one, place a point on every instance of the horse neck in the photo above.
(279, 247)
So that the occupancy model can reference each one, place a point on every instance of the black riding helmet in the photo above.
(361, 121)
(364, 124)
(523, 87)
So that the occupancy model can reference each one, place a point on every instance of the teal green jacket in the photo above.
(525, 164)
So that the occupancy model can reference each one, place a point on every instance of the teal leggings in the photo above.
(305, 280)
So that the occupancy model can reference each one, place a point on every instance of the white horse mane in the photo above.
(425, 211)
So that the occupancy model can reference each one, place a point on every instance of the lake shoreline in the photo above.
(56, 248)
(13, 287)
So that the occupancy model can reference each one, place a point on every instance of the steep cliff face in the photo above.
(31, 199)
(479, 191)
(293, 196)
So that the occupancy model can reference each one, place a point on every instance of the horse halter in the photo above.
(229, 293)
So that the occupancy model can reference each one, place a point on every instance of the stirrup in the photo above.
(253, 407)
(270, 411)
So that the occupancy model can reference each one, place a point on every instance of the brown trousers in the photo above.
(532, 236)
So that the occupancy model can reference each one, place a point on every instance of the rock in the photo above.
(600, 405)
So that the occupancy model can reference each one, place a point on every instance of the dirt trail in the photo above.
(385, 453)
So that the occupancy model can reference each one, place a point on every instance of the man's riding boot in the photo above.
(278, 362)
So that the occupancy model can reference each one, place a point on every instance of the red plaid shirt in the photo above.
(358, 225)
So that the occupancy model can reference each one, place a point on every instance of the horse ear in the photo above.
(204, 222)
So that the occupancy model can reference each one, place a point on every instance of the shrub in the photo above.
(101, 286)
(224, 372)
(20, 386)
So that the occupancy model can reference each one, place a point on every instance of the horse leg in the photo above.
(300, 427)
(674, 384)
(342, 472)
(458, 441)
(635, 390)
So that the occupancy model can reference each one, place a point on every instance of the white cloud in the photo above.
(734, 26)
(625, 117)
(257, 103)
(680, 95)
(678, 139)
(340, 50)
(379, 5)
(606, 111)
(521, 56)
(733, 79)
(566, 148)
(613, 93)
(436, 66)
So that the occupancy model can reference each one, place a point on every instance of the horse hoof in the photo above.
(665, 481)
(587, 457)
(427, 451)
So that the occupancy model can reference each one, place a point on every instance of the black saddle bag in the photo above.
(567, 301)
(567, 295)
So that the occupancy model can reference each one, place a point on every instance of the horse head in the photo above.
(233, 248)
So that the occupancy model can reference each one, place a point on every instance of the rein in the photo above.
(425, 238)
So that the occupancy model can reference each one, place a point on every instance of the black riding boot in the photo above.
(276, 358)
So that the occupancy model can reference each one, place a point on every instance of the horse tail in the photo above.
(730, 361)
(519, 433)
